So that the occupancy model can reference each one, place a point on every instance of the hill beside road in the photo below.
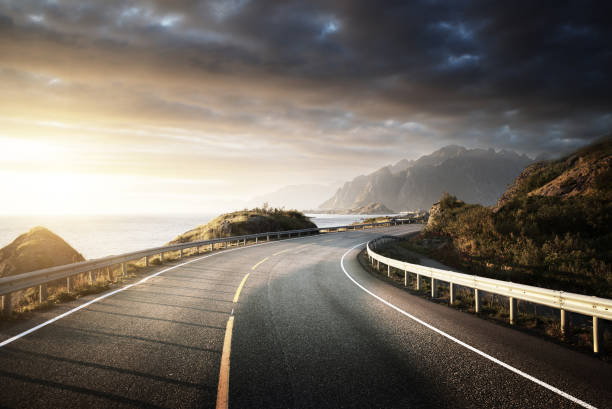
(552, 228)
(245, 222)
(39, 248)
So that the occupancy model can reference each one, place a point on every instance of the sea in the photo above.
(97, 236)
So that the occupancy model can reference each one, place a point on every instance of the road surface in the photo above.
(303, 334)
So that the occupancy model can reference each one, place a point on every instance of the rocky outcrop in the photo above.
(519, 183)
(37, 249)
(579, 179)
(434, 212)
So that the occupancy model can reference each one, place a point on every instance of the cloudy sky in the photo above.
(191, 106)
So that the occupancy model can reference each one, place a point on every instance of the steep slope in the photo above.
(585, 172)
(247, 222)
(39, 248)
(477, 175)
(552, 227)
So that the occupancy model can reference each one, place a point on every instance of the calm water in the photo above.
(98, 236)
(329, 220)
(103, 235)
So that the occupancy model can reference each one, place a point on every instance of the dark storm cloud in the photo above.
(533, 76)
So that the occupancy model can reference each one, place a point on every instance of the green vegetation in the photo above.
(552, 229)
(258, 220)
(369, 220)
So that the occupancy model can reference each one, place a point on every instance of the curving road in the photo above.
(306, 331)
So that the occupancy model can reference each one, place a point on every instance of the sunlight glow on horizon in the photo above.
(74, 193)
(157, 106)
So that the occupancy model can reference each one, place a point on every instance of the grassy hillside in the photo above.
(247, 222)
(552, 228)
(39, 248)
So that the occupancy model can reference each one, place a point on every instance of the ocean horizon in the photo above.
(97, 236)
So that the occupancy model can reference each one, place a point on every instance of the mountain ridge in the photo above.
(551, 228)
(479, 175)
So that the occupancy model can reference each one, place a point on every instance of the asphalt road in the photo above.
(304, 335)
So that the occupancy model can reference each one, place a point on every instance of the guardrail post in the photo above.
(596, 335)
(181, 253)
(563, 323)
(69, 284)
(7, 307)
(267, 237)
(476, 300)
(388, 271)
(255, 239)
(146, 261)
(377, 265)
(90, 277)
(513, 310)
(451, 293)
(42, 293)
(418, 282)
(161, 257)
(244, 243)
(434, 288)
(299, 234)
(405, 278)
(124, 269)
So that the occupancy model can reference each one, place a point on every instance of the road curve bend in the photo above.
(302, 333)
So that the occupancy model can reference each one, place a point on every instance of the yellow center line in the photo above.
(223, 388)
(240, 288)
(257, 265)
(280, 252)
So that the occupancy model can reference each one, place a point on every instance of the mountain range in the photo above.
(475, 175)
(306, 196)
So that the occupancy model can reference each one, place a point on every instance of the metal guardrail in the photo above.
(595, 307)
(40, 278)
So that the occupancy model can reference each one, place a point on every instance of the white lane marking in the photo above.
(463, 344)
(80, 307)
